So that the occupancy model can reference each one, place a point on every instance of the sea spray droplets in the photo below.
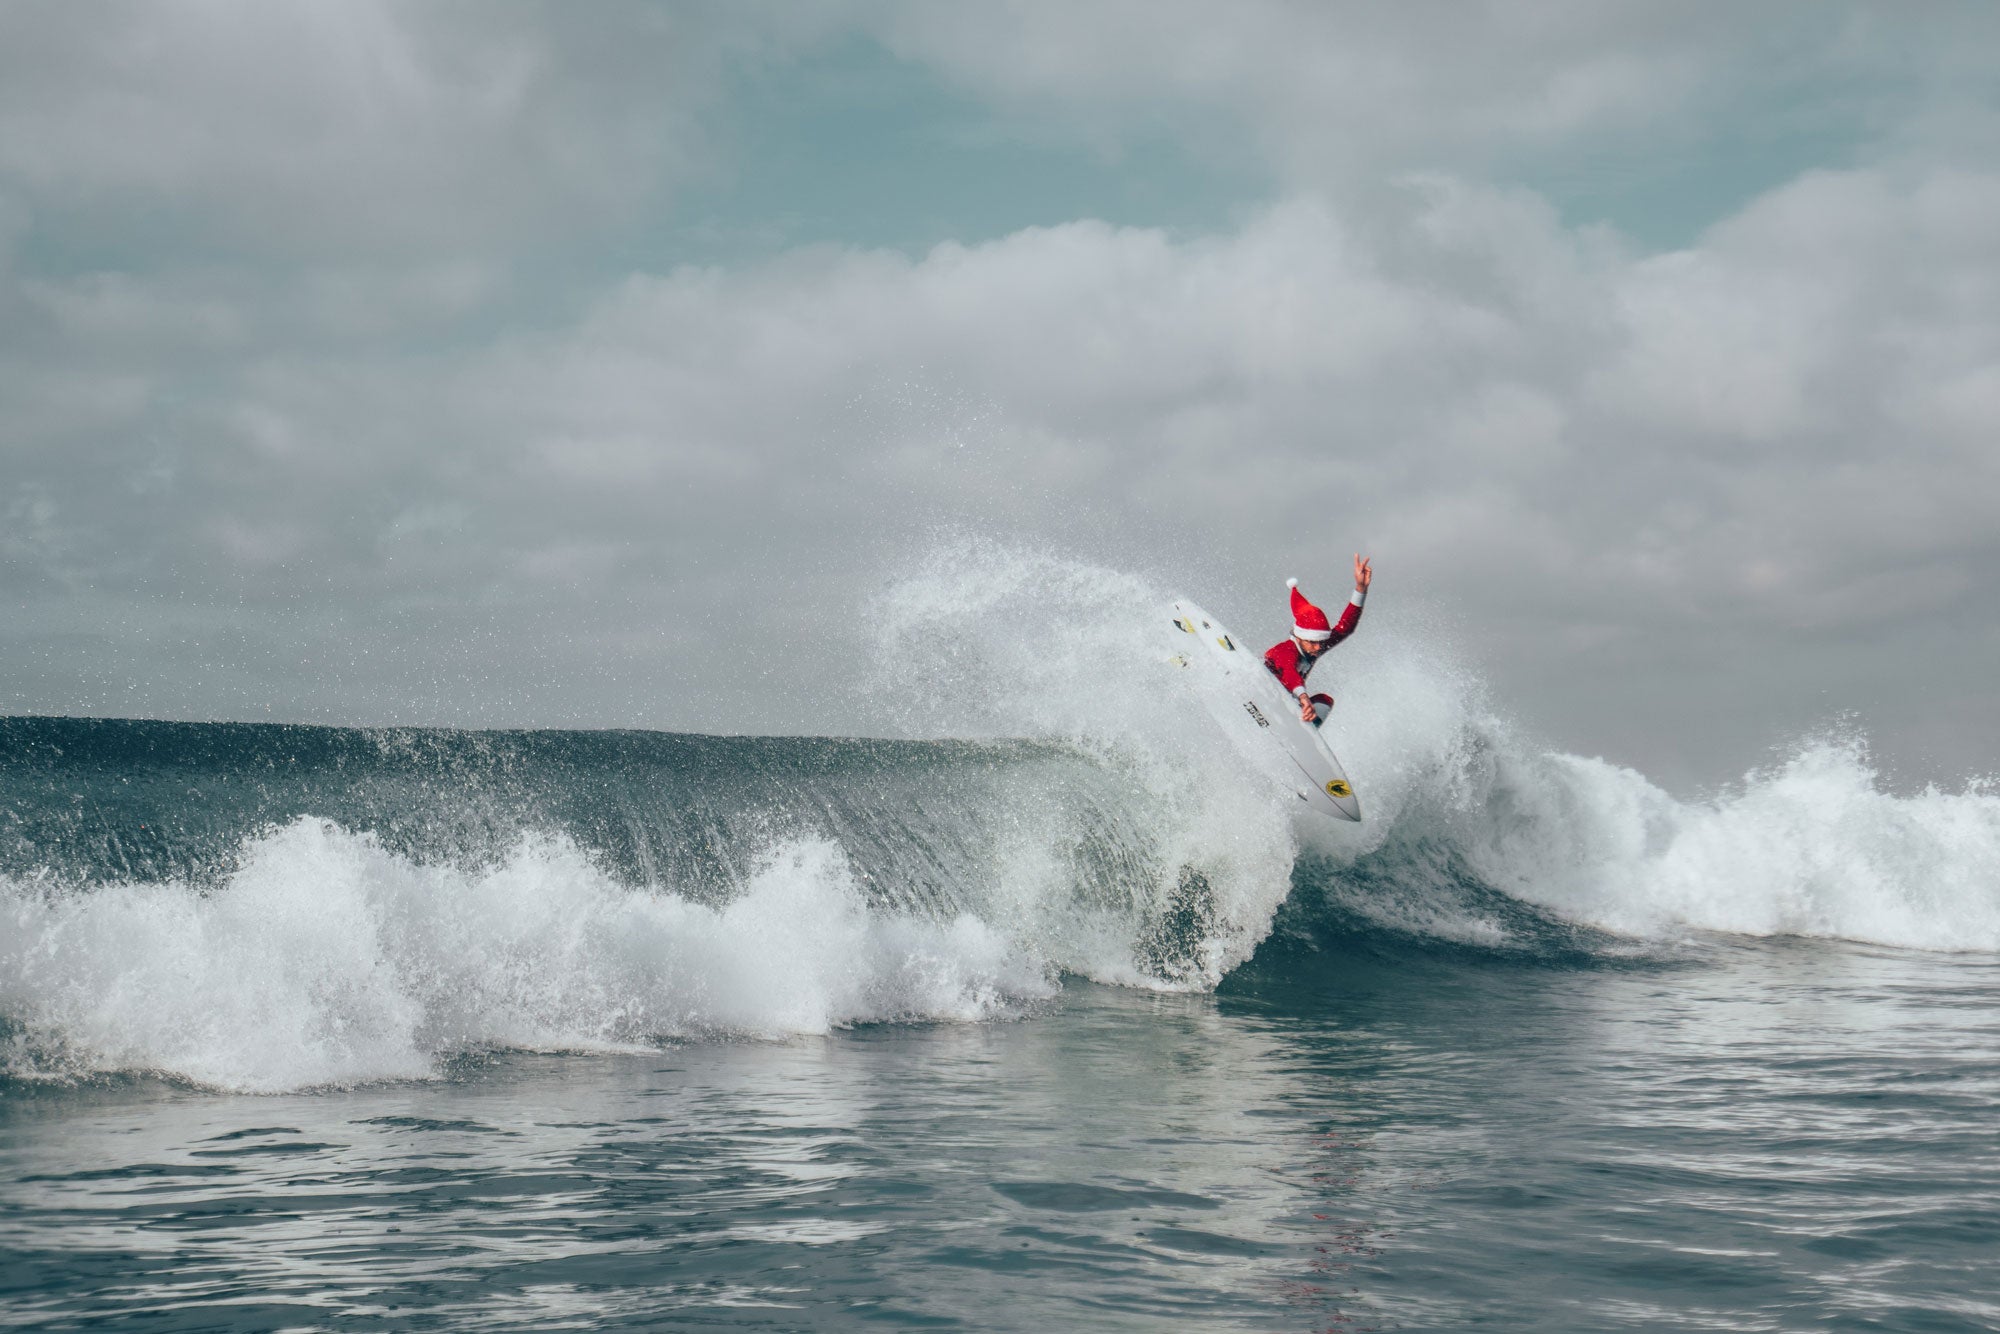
(1022, 643)
(326, 960)
(1466, 814)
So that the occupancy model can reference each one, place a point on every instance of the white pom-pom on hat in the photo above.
(1291, 583)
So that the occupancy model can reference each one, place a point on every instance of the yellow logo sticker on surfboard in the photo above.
(1337, 787)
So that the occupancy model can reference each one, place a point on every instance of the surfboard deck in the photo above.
(1258, 714)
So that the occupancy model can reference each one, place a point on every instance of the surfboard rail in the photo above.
(1253, 708)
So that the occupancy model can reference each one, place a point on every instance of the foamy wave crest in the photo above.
(1473, 834)
(1811, 847)
(327, 960)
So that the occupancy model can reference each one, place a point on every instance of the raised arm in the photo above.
(1350, 615)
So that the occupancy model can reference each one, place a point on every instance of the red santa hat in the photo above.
(1308, 621)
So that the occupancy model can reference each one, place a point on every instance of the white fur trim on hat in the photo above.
(1314, 635)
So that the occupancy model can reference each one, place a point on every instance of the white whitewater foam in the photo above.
(1030, 644)
(326, 959)
(1813, 847)
(1038, 645)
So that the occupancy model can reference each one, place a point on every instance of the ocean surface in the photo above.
(322, 1029)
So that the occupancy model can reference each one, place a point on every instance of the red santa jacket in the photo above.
(1292, 667)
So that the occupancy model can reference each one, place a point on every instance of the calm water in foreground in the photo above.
(1752, 1136)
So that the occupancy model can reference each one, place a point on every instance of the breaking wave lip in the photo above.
(326, 960)
(1529, 849)
(1476, 836)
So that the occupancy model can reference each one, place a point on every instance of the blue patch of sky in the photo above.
(853, 146)
(857, 147)
(1878, 90)
(1664, 195)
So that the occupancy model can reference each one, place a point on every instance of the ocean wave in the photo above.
(267, 908)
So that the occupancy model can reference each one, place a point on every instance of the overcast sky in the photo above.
(507, 364)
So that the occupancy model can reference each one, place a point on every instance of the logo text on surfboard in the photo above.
(1256, 713)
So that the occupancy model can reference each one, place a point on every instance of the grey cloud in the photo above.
(234, 129)
(744, 443)
(1679, 503)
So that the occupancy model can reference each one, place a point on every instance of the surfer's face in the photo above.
(1312, 648)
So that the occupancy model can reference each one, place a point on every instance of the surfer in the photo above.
(1292, 661)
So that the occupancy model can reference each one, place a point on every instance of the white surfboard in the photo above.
(1259, 715)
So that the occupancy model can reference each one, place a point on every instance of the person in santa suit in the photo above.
(1292, 661)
